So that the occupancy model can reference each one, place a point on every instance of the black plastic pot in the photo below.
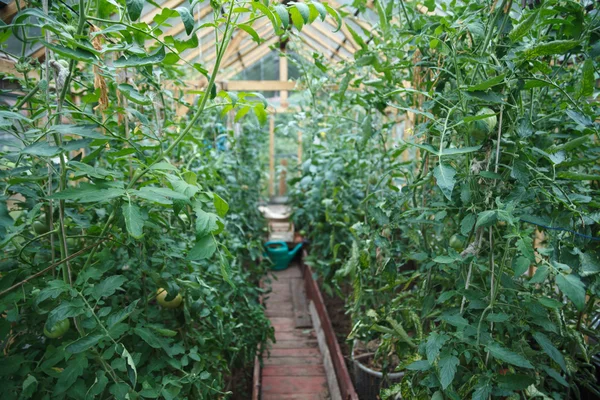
(368, 382)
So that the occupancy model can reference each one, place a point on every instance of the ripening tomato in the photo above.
(59, 329)
(457, 242)
(482, 128)
(161, 298)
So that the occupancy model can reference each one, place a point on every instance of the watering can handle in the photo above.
(274, 242)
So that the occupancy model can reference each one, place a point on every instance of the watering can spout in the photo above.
(295, 250)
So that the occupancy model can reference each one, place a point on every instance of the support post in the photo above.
(272, 156)
(283, 178)
(300, 152)
(283, 77)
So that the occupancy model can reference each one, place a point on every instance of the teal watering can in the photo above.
(278, 252)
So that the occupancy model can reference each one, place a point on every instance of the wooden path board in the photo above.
(293, 365)
(299, 303)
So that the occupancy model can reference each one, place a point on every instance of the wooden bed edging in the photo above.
(256, 379)
(343, 377)
(256, 372)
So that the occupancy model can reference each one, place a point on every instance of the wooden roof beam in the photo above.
(233, 51)
(323, 44)
(240, 35)
(362, 24)
(315, 46)
(251, 56)
(213, 54)
(250, 59)
(8, 12)
(349, 48)
(258, 86)
(248, 50)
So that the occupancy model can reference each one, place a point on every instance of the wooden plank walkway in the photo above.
(293, 369)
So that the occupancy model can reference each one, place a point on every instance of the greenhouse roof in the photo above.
(322, 37)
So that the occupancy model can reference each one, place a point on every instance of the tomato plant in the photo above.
(462, 120)
(111, 192)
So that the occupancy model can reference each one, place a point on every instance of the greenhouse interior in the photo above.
(314, 200)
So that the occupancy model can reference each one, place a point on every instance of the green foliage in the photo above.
(109, 192)
(498, 144)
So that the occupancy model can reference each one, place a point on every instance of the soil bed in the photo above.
(342, 325)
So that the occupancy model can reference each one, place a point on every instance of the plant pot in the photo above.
(368, 382)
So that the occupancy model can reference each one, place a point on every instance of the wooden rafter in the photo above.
(234, 46)
(258, 86)
(323, 43)
(230, 53)
(8, 12)
(345, 31)
(245, 55)
(241, 86)
(7, 67)
(209, 44)
(254, 56)
(348, 47)
(320, 48)
(362, 24)
(317, 48)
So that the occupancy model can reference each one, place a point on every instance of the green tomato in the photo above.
(162, 296)
(40, 228)
(482, 128)
(457, 242)
(59, 329)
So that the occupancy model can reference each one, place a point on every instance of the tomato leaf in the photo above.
(187, 18)
(205, 223)
(445, 179)
(447, 367)
(549, 349)
(134, 220)
(503, 354)
(108, 286)
(83, 343)
(69, 375)
(139, 61)
(282, 12)
(134, 8)
(573, 288)
(205, 247)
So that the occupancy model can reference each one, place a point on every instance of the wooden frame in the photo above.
(258, 86)
(250, 58)
(320, 29)
(334, 52)
(341, 371)
(8, 12)
(272, 156)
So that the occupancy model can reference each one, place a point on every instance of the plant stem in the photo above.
(191, 123)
